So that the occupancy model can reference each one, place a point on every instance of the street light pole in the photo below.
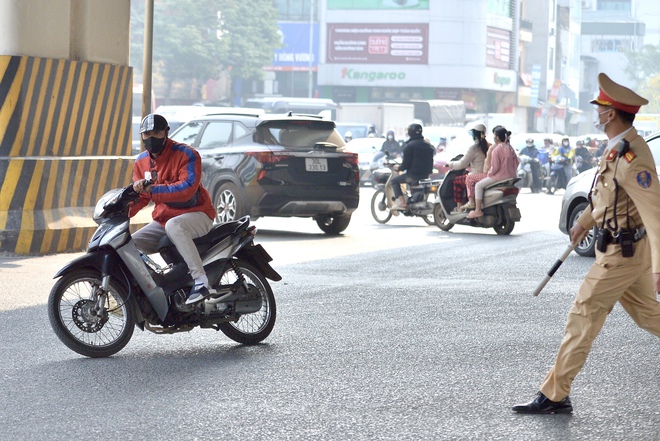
(310, 81)
(147, 56)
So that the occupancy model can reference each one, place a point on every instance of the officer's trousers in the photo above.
(610, 279)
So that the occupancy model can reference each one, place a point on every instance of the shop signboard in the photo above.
(371, 43)
(294, 55)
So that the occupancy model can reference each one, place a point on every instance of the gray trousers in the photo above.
(181, 230)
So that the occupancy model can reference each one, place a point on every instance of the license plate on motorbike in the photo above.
(316, 164)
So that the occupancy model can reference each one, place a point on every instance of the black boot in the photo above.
(542, 404)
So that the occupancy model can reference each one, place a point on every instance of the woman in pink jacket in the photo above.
(503, 165)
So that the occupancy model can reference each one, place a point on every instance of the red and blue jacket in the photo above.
(177, 189)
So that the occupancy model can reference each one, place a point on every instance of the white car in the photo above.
(575, 199)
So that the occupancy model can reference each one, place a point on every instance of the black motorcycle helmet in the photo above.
(414, 129)
(153, 121)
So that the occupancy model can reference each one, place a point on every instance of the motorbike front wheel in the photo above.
(251, 328)
(73, 314)
(552, 183)
(441, 220)
(379, 209)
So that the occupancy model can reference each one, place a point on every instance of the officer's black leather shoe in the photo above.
(542, 404)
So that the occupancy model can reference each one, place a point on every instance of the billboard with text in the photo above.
(378, 43)
(378, 4)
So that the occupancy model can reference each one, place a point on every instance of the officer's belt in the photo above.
(639, 234)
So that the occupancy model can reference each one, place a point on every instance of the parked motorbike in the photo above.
(526, 179)
(499, 206)
(419, 198)
(101, 296)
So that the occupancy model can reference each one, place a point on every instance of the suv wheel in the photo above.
(587, 246)
(227, 203)
(333, 225)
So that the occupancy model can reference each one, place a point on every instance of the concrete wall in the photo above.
(65, 118)
(89, 30)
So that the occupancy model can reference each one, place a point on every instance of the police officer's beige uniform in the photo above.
(613, 277)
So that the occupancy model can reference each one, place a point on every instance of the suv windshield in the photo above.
(302, 134)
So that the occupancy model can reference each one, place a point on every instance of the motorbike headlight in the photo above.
(108, 198)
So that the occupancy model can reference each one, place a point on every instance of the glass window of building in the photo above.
(294, 10)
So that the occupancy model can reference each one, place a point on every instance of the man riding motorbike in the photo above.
(583, 157)
(532, 152)
(417, 164)
(563, 156)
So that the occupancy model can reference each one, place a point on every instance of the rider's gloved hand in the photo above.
(143, 186)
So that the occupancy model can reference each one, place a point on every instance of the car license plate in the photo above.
(316, 164)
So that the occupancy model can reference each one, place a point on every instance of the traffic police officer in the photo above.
(625, 206)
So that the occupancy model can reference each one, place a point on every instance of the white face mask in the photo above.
(597, 124)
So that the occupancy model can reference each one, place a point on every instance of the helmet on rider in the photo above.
(151, 130)
(414, 129)
(153, 121)
(529, 142)
(478, 131)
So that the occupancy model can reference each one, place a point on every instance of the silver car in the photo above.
(575, 199)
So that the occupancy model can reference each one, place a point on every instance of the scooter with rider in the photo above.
(495, 192)
(530, 171)
(413, 172)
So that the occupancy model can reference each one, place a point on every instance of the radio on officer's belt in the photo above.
(626, 241)
(603, 238)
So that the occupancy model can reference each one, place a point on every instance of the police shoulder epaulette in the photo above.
(629, 156)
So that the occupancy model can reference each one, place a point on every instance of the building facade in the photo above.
(442, 49)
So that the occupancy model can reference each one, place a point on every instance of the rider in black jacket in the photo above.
(417, 164)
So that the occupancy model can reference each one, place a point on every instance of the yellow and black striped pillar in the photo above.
(65, 139)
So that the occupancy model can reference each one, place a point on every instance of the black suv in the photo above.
(275, 165)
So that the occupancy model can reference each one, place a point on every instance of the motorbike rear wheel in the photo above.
(251, 328)
(379, 208)
(440, 219)
(72, 315)
(429, 218)
(506, 228)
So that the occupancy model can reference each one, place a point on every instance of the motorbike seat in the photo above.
(217, 233)
(503, 183)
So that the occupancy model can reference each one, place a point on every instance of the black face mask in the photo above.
(154, 145)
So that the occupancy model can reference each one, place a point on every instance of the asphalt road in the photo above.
(397, 331)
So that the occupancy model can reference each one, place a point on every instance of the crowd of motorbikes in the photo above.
(433, 201)
(553, 171)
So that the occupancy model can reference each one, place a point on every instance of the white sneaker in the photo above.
(199, 293)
